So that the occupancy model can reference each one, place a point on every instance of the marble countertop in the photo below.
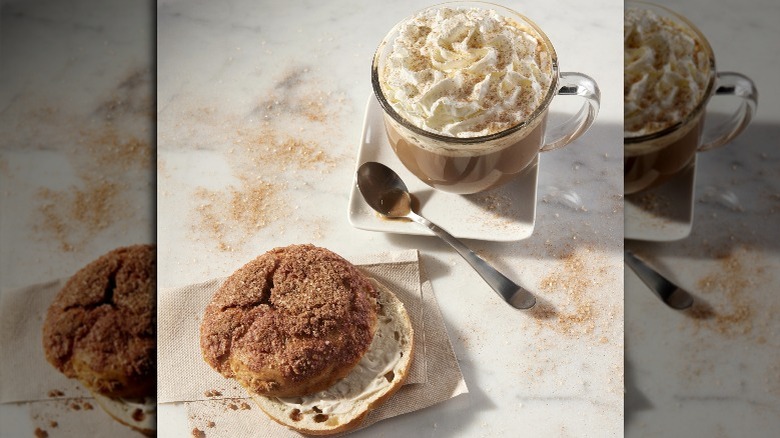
(714, 371)
(240, 83)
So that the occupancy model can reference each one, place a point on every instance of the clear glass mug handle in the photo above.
(574, 84)
(732, 84)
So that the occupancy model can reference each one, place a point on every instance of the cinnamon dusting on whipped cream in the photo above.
(466, 72)
(666, 72)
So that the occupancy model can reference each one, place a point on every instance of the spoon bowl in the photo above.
(383, 190)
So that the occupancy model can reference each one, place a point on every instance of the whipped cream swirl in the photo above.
(666, 72)
(466, 72)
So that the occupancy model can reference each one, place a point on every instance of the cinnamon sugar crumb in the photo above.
(112, 150)
(102, 156)
(732, 281)
(71, 217)
(651, 202)
(574, 279)
(497, 211)
(284, 151)
(40, 433)
(197, 433)
(228, 216)
(268, 158)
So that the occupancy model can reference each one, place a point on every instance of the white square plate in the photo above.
(663, 214)
(504, 214)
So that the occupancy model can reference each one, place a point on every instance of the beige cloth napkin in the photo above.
(25, 375)
(220, 407)
(57, 405)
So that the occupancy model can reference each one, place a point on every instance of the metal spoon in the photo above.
(386, 193)
(672, 295)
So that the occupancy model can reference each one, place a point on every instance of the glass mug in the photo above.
(475, 164)
(650, 160)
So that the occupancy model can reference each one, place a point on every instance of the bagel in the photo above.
(315, 342)
(381, 372)
(291, 322)
(100, 330)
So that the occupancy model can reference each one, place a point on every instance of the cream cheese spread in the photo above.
(466, 72)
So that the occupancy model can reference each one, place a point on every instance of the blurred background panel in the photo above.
(77, 153)
(714, 369)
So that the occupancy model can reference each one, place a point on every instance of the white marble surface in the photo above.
(718, 376)
(238, 82)
(76, 89)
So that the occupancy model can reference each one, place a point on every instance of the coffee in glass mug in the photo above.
(669, 78)
(465, 88)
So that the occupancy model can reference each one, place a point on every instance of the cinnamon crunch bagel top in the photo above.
(291, 322)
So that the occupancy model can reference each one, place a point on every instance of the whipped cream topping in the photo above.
(466, 72)
(370, 376)
(666, 72)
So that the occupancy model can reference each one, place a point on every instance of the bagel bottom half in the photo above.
(378, 375)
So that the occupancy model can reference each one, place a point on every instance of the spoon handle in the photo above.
(509, 291)
(667, 291)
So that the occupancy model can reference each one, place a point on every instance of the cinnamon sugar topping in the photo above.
(290, 322)
(100, 327)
